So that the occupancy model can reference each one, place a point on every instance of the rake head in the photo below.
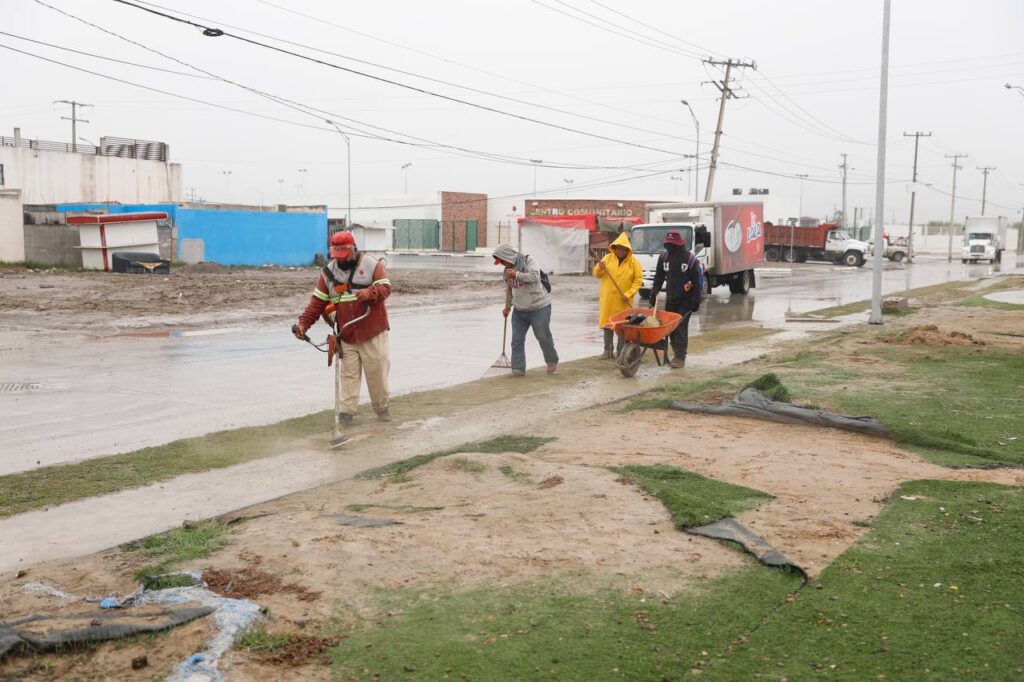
(501, 366)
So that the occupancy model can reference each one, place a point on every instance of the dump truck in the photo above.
(728, 238)
(984, 239)
(813, 240)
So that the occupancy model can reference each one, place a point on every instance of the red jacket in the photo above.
(367, 275)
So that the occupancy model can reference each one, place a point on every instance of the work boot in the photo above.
(677, 363)
(608, 354)
(552, 367)
(338, 439)
(344, 419)
(383, 416)
(517, 373)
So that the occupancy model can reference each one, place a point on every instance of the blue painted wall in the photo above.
(237, 237)
(254, 237)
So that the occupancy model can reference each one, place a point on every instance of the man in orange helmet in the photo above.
(351, 284)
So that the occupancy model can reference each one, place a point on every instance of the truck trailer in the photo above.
(818, 241)
(728, 238)
(984, 239)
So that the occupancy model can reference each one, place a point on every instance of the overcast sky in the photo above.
(813, 96)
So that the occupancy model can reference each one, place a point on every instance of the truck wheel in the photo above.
(801, 257)
(789, 255)
(740, 285)
(853, 259)
(896, 257)
(772, 255)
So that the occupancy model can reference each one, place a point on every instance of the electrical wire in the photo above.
(216, 32)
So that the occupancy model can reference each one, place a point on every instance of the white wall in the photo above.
(383, 208)
(50, 177)
(12, 229)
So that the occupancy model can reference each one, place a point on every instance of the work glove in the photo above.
(299, 331)
(506, 311)
(626, 300)
(601, 266)
(510, 273)
(364, 295)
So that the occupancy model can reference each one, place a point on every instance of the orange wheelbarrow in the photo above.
(636, 339)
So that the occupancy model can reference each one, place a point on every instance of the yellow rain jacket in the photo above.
(628, 274)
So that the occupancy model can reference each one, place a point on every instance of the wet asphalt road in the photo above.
(104, 396)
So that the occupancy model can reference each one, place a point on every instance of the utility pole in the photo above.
(913, 194)
(405, 167)
(844, 167)
(696, 156)
(727, 93)
(74, 120)
(567, 184)
(952, 204)
(536, 163)
(984, 184)
(883, 119)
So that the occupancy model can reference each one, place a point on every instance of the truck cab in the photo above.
(648, 243)
(980, 246)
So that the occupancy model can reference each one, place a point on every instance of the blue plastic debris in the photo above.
(110, 603)
(195, 659)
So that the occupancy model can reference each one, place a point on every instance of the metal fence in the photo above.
(120, 147)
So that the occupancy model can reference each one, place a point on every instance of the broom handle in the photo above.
(508, 304)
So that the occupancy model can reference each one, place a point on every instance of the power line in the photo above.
(216, 32)
(655, 28)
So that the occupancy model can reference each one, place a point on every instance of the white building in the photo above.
(119, 170)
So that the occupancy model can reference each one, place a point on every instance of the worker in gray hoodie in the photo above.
(531, 306)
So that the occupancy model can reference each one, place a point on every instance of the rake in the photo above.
(502, 365)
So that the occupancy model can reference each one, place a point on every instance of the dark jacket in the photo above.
(672, 272)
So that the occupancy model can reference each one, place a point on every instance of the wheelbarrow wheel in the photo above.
(629, 358)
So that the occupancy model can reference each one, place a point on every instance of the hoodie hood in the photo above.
(506, 253)
(623, 240)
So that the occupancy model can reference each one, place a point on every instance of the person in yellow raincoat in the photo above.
(619, 267)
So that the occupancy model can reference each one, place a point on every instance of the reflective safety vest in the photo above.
(341, 284)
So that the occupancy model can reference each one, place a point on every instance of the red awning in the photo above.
(583, 221)
(115, 218)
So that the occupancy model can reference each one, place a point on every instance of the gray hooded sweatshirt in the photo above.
(528, 294)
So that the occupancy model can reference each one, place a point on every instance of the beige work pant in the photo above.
(370, 359)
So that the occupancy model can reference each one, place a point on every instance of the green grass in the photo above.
(62, 483)
(771, 386)
(517, 476)
(662, 396)
(466, 465)
(888, 609)
(191, 541)
(257, 638)
(507, 443)
(690, 498)
(861, 306)
(980, 301)
(404, 508)
(551, 631)
(899, 312)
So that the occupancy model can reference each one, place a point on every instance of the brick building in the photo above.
(463, 221)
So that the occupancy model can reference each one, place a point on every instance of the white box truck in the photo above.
(984, 239)
(728, 237)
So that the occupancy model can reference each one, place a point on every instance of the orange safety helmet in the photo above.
(342, 244)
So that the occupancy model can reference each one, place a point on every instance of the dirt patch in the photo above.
(827, 483)
(252, 583)
(300, 650)
(931, 335)
(552, 481)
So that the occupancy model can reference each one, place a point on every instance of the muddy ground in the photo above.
(482, 519)
(208, 294)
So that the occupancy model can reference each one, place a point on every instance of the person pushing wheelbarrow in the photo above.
(621, 276)
(679, 271)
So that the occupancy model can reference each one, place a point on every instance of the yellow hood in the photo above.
(623, 240)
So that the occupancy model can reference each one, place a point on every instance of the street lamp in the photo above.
(280, 190)
(536, 163)
(696, 156)
(676, 178)
(405, 167)
(227, 180)
(254, 189)
(302, 180)
(348, 173)
(800, 214)
(567, 183)
(1018, 88)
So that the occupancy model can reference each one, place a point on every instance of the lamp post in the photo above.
(348, 173)
(567, 183)
(302, 180)
(280, 190)
(261, 197)
(536, 163)
(227, 180)
(405, 167)
(675, 179)
(800, 214)
(696, 156)
(1019, 89)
